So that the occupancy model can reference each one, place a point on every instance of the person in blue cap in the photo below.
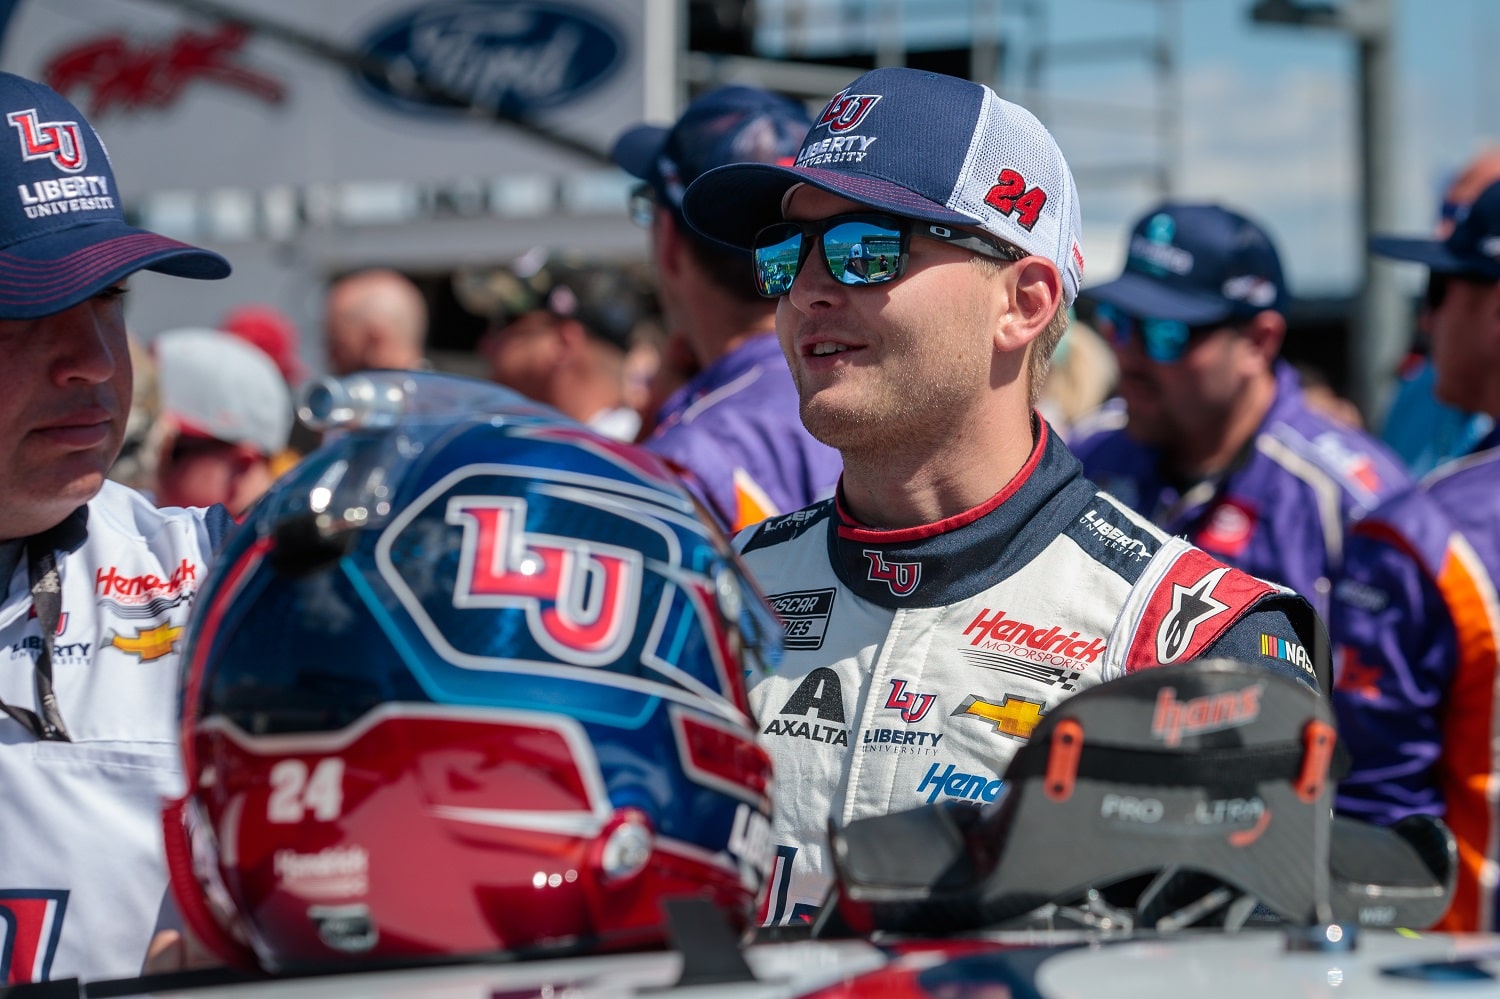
(1211, 436)
(1423, 431)
(966, 577)
(98, 582)
(1415, 616)
(733, 424)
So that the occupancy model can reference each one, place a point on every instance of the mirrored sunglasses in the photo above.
(859, 249)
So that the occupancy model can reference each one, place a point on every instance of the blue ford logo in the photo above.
(519, 57)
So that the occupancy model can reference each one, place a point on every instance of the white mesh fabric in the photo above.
(1008, 137)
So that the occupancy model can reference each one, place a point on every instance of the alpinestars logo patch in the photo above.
(1191, 606)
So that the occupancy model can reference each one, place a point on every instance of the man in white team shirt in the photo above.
(98, 582)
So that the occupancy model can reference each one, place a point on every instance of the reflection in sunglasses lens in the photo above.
(776, 263)
(858, 250)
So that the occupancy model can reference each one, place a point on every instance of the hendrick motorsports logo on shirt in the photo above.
(950, 782)
(1043, 653)
(992, 628)
(136, 591)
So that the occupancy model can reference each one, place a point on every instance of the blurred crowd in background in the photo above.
(213, 411)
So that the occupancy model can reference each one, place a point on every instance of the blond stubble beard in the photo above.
(913, 417)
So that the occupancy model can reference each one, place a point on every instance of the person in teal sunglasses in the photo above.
(1211, 436)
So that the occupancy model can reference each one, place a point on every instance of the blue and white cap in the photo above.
(63, 234)
(922, 146)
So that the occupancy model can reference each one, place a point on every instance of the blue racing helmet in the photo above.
(470, 678)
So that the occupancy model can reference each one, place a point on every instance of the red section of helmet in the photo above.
(723, 756)
(430, 831)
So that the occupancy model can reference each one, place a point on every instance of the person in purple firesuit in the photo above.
(1415, 617)
(733, 425)
(1210, 436)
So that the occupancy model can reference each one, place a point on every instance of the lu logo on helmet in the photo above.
(579, 597)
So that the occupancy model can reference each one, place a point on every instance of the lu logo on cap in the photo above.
(63, 234)
(59, 141)
(922, 146)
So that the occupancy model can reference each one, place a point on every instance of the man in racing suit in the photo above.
(732, 426)
(966, 577)
(98, 581)
(1211, 438)
(1415, 613)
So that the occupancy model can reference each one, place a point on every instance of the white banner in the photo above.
(332, 91)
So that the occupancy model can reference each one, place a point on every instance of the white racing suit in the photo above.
(918, 660)
(82, 876)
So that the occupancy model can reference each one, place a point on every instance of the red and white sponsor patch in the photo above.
(1194, 603)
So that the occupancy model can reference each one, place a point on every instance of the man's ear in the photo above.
(1265, 332)
(1036, 295)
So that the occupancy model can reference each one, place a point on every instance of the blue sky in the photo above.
(1267, 113)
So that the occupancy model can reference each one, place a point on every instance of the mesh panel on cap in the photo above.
(1009, 137)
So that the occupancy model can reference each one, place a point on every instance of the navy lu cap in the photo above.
(922, 146)
(1196, 264)
(725, 125)
(1472, 249)
(63, 235)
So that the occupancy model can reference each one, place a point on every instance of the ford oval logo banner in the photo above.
(518, 57)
